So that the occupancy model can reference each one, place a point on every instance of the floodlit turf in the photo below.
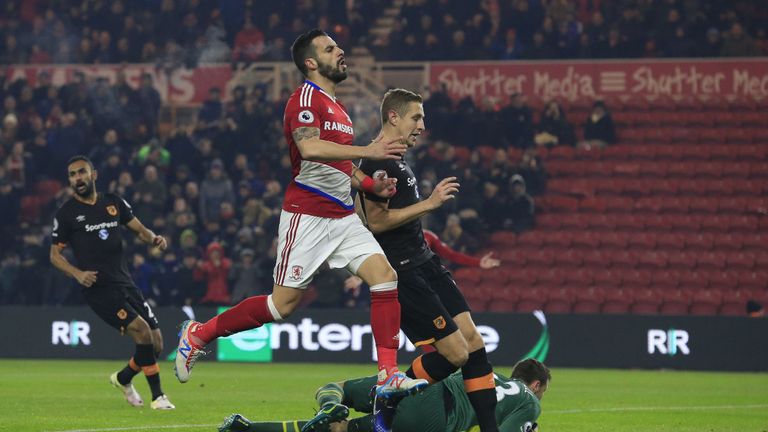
(76, 395)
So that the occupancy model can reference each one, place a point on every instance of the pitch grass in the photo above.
(56, 395)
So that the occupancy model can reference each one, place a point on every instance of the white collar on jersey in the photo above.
(317, 87)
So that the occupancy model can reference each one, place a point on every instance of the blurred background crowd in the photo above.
(189, 32)
(213, 185)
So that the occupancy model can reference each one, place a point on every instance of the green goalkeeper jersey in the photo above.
(517, 408)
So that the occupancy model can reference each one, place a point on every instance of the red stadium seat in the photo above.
(675, 302)
(694, 280)
(588, 300)
(559, 301)
(647, 302)
(551, 277)
(531, 300)
(665, 279)
(569, 258)
(735, 303)
(705, 302)
(608, 278)
(616, 301)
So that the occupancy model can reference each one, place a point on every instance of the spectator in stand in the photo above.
(533, 172)
(553, 128)
(107, 147)
(144, 276)
(248, 277)
(712, 44)
(214, 272)
(518, 121)
(192, 288)
(521, 209)
(216, 189)
(738, 44)
(211, 114)
(150, 195)
(455, 236)
(149, 101)
(249, 43)
(599, 130)
(614, 47)
(356, 293)
(153, 153)
(681, 45)
(511, 49)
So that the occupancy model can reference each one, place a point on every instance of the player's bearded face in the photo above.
(84, 185)
(336, 72)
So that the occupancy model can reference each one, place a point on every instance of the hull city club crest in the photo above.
(112, 210)
(439, 322)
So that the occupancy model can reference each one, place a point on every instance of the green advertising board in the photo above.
(249, 346)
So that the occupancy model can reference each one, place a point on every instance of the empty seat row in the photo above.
(565, 274)
(652, 223)
(690, 119)
(655, 169)
(616, 300)
(579, 186)
(662, 152)
(733, 243)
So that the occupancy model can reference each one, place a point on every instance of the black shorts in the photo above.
(118, 305)
(429, 299)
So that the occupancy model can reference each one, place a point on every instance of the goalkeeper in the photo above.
(442, 407)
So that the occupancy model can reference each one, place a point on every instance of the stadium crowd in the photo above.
(189, 32)
(214, 185)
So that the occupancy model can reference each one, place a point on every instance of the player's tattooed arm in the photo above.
(357, 177)
(304, 133)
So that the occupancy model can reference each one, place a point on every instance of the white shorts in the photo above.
(307, 242)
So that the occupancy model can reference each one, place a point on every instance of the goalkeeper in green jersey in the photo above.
(442, 407)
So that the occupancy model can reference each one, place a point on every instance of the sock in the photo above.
(432, 367)
(385, 324)
(128, 372)
(250, 313)
(145, 358)
(329, 394)
(360, 424)
(481, 389)
(287, 426)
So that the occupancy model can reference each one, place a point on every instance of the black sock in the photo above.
(361, 424)
(145, 358)
(128, 372)
(432, 367)
(481, 389)
(154, 385)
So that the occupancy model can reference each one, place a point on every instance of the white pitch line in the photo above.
(573, 411)
(138, 428)
(654, 408)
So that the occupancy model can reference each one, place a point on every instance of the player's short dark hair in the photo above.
(303, 49)
(397, 100)
(530, 370)
(84, 158)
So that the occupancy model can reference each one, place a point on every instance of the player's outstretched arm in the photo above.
(381, 218)
(146, 235)
(312, 147)
(84, 278)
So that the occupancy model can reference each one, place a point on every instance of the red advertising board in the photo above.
(589, 79)
(181, 86)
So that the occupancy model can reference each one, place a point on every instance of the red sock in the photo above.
(250, 313)
(385, 324)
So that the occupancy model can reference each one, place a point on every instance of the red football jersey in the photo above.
(318, 188)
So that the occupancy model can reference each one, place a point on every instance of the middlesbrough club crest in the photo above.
(296, 272)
